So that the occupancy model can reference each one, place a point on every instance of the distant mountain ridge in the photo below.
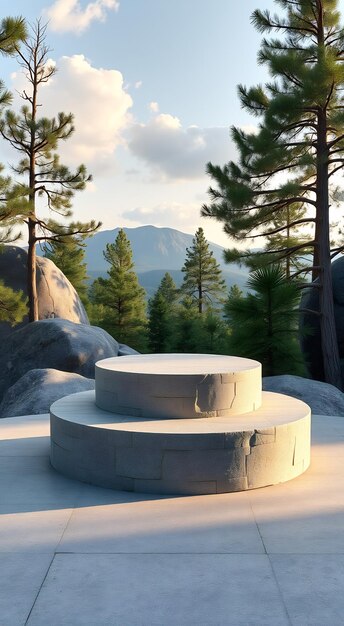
(153, 248)
(156, 251)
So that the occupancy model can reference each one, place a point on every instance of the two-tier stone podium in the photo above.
(180, 424)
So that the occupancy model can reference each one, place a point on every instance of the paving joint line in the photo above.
(280, 591)
(40, 588)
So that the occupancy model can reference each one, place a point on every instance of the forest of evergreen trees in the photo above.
(201, 316)
(280, 188)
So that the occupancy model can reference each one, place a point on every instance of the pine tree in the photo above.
(264, 323)
(161, 316)
(121, 296)
(13, 305)
(168, 289)
(159, 324)
(188, 333)
(202, 275)
(235, 291)
(301, 135)
(40, 173)
(69, 256)
(215, 334)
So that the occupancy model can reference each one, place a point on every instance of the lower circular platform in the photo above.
(183, 457)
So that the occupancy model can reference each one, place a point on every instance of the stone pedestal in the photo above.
(180, 424)
(179, 385)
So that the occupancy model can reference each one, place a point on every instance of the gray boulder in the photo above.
(57, 344)
(34, 392)
(324, 399)
(124, 350)
(310, 324)
(56, 296)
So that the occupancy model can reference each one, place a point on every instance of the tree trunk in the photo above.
(31, 273)
(200, 300)
(329, 342)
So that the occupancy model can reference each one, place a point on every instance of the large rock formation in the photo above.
(56, 296)
(324, 399)
(310, 325)
(54, 343)
(35, 391)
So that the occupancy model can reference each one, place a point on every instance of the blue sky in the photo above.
(152, 85)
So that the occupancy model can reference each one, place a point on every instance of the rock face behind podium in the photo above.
(310, 325)
(54, 343)
(56, 295)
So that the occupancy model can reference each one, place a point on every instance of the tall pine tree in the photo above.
(300, 135)
(40, 173)
(121, 296)
(202, 274)
(12, 304)
(161, 321)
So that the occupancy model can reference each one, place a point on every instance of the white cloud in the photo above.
(180, 153)
(70, 16)
(100, 106)
(154, 107)
(138, 84)
(170, 214)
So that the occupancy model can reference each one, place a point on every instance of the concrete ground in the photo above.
(72, 554)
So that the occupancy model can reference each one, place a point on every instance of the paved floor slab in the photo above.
(21, 577)
(312, 588)
(197, 524)
(124, 558)
(33, 531)
(156, 590)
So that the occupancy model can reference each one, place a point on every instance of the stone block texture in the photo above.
(178, 386)
(183, 457)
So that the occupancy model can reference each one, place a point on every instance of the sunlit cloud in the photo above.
(174, 152)
(166, 214)
(99, 102)
(154, 107)
(70, 16)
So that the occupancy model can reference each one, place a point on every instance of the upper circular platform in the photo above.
(178, 385)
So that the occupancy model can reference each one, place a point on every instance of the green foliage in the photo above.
(121, 296)
(307, 77)
(188, 335)
(161, 322)
(39, 171)
(168, 289)
(13, 32)
(264, 323)
(235, 292)
(69, 256)
(202, 275)
(297, 149)
(193, 333)
(13, 305)
(216, 334)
